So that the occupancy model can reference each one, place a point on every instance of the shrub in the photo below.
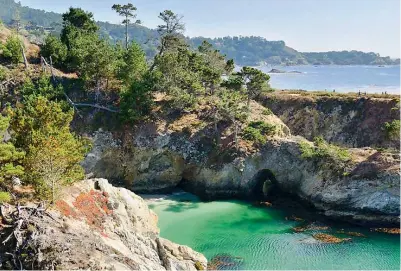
(3, 73)
(54, 48)
(267, 112)
(257, 131)
(182, 99)
(12, 49)
(264, 127)
(136, 101)
(322, 149)
(53, 153)
(253, 134)
(5, 197)
(392, 129)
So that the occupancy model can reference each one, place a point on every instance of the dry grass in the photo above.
(315, 94)
(32, 50)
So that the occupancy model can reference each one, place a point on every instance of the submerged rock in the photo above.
(276, 71)
(225, 262)
(330, 239)
(388, 230)
(352, 233)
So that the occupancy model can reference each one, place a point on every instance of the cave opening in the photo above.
(264, 181)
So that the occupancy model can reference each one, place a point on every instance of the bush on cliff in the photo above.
(136, 102)
(11, 50)
(10, 161)
(5, 197)
(257, 131)
(54, 48)
(53, 153)
(392, 129)
(322, 149)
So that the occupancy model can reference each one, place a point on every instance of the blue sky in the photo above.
(306, 25)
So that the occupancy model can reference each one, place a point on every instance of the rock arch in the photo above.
(263, 181)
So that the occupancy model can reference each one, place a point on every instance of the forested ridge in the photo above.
(251, 51)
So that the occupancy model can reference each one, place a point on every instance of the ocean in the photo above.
(370, 79)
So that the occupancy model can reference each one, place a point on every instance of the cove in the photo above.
(236, 235)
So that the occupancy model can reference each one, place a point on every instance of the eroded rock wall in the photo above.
(349, 121)
(366, 190)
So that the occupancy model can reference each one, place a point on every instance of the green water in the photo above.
(261, 238)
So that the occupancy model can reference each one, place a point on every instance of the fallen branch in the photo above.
(22, 233)
(97, 106)
(72, 103)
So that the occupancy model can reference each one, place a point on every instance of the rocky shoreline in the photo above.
(95, 226)
(157, 157)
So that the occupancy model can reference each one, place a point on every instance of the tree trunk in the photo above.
(51, 69)
(216, 130)
(53, 191)
(24, 57)
(236, 134)
(126, 32)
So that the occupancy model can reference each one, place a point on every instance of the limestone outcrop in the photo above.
(354, 121)
(364, 190)
(97, 226)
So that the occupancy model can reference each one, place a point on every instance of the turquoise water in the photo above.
(261, 237)
(372, 79)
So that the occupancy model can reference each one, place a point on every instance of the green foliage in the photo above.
(10, 157)
(182, 99)
(75, 22)
(3, 73)
(392, 129)
(264, 127)
(253, 51)
(322, 149)
(256, 131)
(95, 59)
(230, 104)
(11, 50)
(212, 65)
(254, 135)
(4, 197)
(234, 82)
(128, 12)
(54, 48)
(179, 74)
(267, 112)
(53, 153)
(136, 101)
(132, 65)
(41, 87)
(255, 81)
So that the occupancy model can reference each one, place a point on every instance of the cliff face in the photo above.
(95, 226)
(156, 156)
(350, 121)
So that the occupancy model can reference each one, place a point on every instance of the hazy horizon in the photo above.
(305, 25)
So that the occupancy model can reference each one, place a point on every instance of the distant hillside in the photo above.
(249, 51)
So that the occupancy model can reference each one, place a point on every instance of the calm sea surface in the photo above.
(248, 237)
(372, 79)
